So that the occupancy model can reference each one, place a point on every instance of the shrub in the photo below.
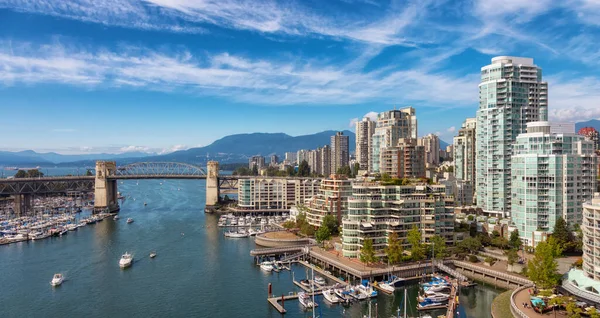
(490, 260)
(473, 259)
(578, 263)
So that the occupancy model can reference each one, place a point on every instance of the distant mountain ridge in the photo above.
(590, 123)
(30, 157)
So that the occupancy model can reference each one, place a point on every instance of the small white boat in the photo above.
(129, 220)
(305, 300)
(251, 232)
(116, 217)
(153, 255)
(236, 234)
(126, 260)
(266, 266)
(387, 287)
(330, 296)
(320, 280)
(57, 280)
(71, 227)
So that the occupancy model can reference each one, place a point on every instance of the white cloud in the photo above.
(134, 149)
(371, 115)
(573, 98)
(451, 129)
(172, 149)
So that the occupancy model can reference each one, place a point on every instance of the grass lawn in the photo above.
(501, 305)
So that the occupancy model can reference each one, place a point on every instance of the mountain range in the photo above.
(30, 157)
(590, 123)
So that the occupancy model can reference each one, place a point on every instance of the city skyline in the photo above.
(184, 75)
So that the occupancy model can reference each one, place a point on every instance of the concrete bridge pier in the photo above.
(22, 203)
(105, 190)
(212, 183)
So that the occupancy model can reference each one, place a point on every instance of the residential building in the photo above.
(314, 161)
(268, 194)
(464, 153)
(332, 199)
(274, 160)
(406, 160)
(552, 174)
(450, 152)
(390, 127)
(364, 142)
(511, 94)
(291, 157)
(431, 143)
(375, 211)
(325, 154)
(302, 155)
(591, 237)
(590, 133)
(258, 161)
(340, 151)
(460, 190)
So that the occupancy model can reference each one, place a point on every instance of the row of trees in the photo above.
(33, 173)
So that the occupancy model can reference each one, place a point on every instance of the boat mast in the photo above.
(405, 302)
(312, 287)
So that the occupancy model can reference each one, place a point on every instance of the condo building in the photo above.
(431, 143)
(390, 127)
(464, 153)
(406, 160)
(256, 161)
(591, 237)
(340, 151)
(264, 194)
(511, 94)
(331, 199)
(364, 142)
(552, 174)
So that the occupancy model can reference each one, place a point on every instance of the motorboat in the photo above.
(428, 303)
(357, 294)
(396, 281)
(435, 298)
(235, 234)
(436, 289)
(266, 266)
(71, 227)
(116, 217)
(306, 301)
(252, 232)
(387, 287)
(81, 223)
(57, 280)
(343, 294)
(368, 291)
(330, 296)
(129, 220)
(320, 280)
(305, 283)
(126, 260)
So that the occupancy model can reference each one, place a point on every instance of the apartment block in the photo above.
(332, 199)
(266, 194)
(364, 142)
(390, 127)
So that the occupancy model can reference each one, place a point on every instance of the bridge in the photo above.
(104, 182)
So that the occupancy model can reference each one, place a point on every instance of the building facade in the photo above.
(464, 153)
(340, 151)
(407, 160)
(291, 157)
(314, 161)
(332, 199)
(375, 211)
(591, 237)
(431, 143)
(274, 194)
(325, 154)
(302, 155)
(511, 94)
(460, 190)
(552, 174)
(389, 128)
(256, 161)
(364, 142)
(274, 160)
(590, 133)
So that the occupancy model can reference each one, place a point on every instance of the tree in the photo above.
(515, 240)
(500, 242)
(331, 223)
(573, 310)
(355, 169)
(394, 249)
(21, 174)
(34, 173)
(542, 268)
(469, 245)
(344, 170)
(254, 170)
(512, 256)
(439, 247)
(323, 234)
(303, 169)
(417, 250)
(290, 171)
(367, 253)
(88, 173)
(561, 233)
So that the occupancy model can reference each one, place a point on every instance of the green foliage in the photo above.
(515, 240)
(367, 253)
(289, 224)
(500, 242)
(34, 173)
(490, 260)
(394, 249)
(593, 313)
(355, 168)
(485, 239)
(473, 229)
(469, 245)
(563, 236)
(417, 250)
(345, 170)
(512, 256)
(303, 225)
(573, 310)
(89, 173)
(471, 217)
(303, 169)
(542, 268)
(323, 234)
(473, 259)
(439, 247)
(255, 170)
(243, 171)
(331, 223)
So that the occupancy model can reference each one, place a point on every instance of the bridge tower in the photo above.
(105, 194)
(22, 203)
(212, 183)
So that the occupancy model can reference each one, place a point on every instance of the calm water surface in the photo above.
(197, 273)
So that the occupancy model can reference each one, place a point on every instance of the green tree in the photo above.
(573, 310)
(593, 313)
(512, 256)
(469, 245)
(21, 174)
(331, 223)
(344, 170)
(303, 169)
(515, 240)
(561, 233)
(34, 173)
(542, 268)
(367, 253)
(89, 173)
(394, 249)
(417, 250)
(500, 242)
(439, 247)
(323, 234)
(290, 171)
(254, 170)
(355, 169)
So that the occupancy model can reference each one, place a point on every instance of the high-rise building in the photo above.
(591, 237)
(464, 153)
(274, 160)
(450, 152)
(431, 143)
(364, 138)
(258, 161)
(590, 133)
(291, 157)
(375, 211)
(332, 199)
(390, 127)
(511, 94)
(407, 160)
(340, 151)
(302, 155)
(552, 174)
(314, 161)
(272, 194)
(325, 154)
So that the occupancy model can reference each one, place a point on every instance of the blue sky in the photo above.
(82, 76)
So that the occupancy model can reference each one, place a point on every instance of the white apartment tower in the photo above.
(511, 94)
(464, 152)
(552, 175)
(340, 151)
(364, 137)
(431, 143)
(391, 126)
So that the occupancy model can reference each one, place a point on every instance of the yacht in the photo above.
(436, 288)
(357, 294)
(396, 281)
(434, 298)
(71, 227)
(305, 300)
(387, 287)
(368, 291)
(57, 280)
(320, 280)
(266, 266)
(343, 295)
(153, 255)
(236, 234)
(126, 260)
(251, 232)
(428, 303)
(330, 296)
(263, 222)
(233, 222)
(129, 220)
(40, 235)
(82, 223)
(116, 217)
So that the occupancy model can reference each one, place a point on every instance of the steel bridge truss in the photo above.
(157, 170)
(36, 186)
(228, 184)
